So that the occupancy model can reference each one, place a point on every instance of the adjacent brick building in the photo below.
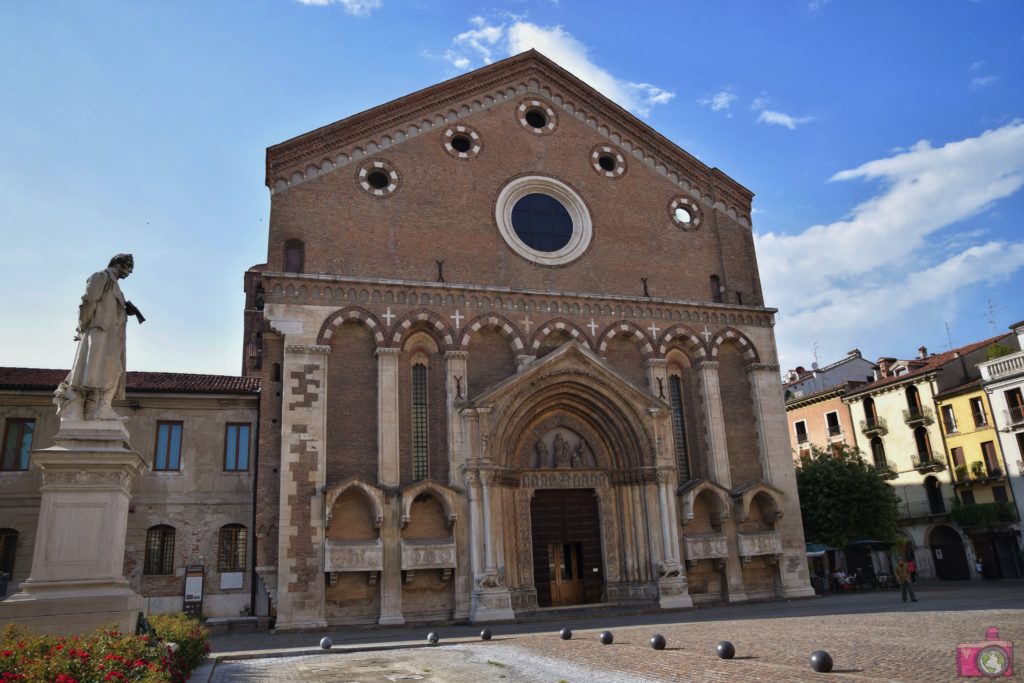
(514, 354)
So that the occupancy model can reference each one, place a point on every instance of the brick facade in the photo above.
(538, 376)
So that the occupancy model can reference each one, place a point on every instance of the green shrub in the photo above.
(192, 638)
(106, 655)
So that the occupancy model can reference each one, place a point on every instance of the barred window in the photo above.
(232, 548)
(420, 469)
(675, 393)
(159, 550)
(17, 443)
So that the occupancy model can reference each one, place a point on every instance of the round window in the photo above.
(461, 141)
(543, 220)
(377, 177)
(607, 161)
(685, 213)
(536, 116)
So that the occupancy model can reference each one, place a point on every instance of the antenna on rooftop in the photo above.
(949, 336)
(992, 315)
(815, 354)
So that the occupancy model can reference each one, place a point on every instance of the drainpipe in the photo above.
(255, 488)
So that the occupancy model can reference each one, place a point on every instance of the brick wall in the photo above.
(738, 410)
(352, 405)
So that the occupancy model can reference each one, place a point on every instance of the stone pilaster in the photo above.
(714, 422)
(672, 587)
(458, 390)
(491, 600)
(777, 465)
(387, 417)
(300, 590)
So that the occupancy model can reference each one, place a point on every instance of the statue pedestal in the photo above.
(77, 582)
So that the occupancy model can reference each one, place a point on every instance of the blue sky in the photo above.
(884, 142)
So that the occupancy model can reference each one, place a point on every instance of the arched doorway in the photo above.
(565, 526)
(934, 491)
(948, 553)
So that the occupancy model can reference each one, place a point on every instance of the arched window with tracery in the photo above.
(420, 425)
(675, 396)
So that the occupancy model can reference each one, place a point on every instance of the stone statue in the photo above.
(98, 373)
(542, 454)
(562, 455)
(577, 454)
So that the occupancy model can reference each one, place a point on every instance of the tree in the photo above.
(843, 499)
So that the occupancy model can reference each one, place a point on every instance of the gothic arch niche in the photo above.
(552, 341)
(682, 392)
(759, 508)
(422, 407)
(705, 547)
(428, 553)
(559, 446)
(353, 553)
(351, 441)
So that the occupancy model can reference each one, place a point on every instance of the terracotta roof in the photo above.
(169, 382)
(928, 365)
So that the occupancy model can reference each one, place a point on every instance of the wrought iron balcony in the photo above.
(873, 426)
(977, 473)
(1015, 415)
(886, 471)
(835, 430)
(919, 415)
(922, 509)
(928, 462)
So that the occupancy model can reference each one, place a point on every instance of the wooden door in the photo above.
(566, 571)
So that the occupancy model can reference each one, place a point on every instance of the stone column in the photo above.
(672, 585)
(714, 421)
(387, 417)
(491, 601)
(300, 588)
(77, 580)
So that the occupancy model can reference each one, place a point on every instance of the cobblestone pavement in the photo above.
(900, 645)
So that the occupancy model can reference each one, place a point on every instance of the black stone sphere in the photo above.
(726, 650)
(485, 634)
(566, 633)
(432, 638)
(326, 642)
(821, 661)
(658, 641)
(606, 637)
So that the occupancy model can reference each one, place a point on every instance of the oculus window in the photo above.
(543, 220)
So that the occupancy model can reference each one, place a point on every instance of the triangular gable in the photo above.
(335, 145)
(564, 356)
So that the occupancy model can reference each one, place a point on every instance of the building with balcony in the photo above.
(899, 431)
(821, 419)
(1003, 381)
(801, 382)
(986, 511)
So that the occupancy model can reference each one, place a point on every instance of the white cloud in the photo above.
(982, 81)
(777, 118)
(980, 64)
(719, 101)
(358, 8)
(487, 41)
(815, 5)
(759, 103)
(872, 273)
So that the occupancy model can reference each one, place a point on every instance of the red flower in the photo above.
(8, 653)
(64, 678)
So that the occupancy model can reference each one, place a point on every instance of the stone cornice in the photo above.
(272, 278)
(318, 349)
(321, 150)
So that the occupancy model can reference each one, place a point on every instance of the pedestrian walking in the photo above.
(912, 568)
(903, 576)
(979, 567)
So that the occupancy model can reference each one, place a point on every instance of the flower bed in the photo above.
(105, 655)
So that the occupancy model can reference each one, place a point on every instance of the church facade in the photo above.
(514, 355)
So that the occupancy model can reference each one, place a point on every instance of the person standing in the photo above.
(903, 576)
(912, 568)
(979, 567)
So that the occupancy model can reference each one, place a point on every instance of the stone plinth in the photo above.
(77, 582)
